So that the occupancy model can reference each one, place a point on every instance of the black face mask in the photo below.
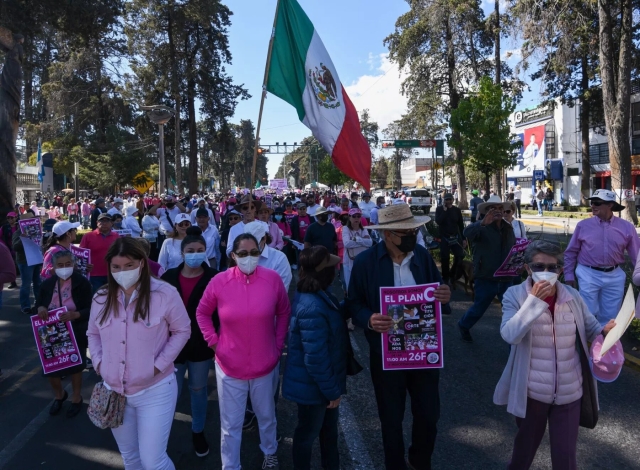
(408, 243)
(323, 218)
(170, 205)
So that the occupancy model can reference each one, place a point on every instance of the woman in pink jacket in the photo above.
(252, 310)
(547, 325)
(137, 327)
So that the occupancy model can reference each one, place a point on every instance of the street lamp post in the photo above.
(160, 115)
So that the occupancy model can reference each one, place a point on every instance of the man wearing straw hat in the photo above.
(397, 261)
(595, 254)
(492, 239)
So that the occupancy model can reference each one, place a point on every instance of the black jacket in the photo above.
(196, 349)
(450, 222)
(373, 269)
(82, 296)
(490, 246)
(95, 213)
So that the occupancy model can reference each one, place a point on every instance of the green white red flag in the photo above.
(302, 73)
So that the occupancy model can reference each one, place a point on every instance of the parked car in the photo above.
(419, 199)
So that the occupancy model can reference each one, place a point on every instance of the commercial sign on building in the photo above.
(532, 115)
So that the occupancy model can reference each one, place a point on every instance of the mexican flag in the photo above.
(302, 73)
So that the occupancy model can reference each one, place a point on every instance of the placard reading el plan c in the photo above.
(415, 341)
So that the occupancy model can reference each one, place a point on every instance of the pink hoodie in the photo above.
(254, 316)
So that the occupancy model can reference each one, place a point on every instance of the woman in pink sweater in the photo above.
(252, 310)
(137, 327)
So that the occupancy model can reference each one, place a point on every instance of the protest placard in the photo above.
(124, 232)
(415, 341)
(83, 258)
(514, 263)
(31, 236)
(55, 341)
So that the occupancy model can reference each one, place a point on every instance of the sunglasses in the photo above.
(598, 203)
(243, 254)
(507, 212)
(234, 218)
(184, 224)
(356, 216)
(405, 232)
(539, 267)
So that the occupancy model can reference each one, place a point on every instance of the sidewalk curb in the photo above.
(632, 362)
(541, 223)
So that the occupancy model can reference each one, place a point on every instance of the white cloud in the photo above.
(380, 92)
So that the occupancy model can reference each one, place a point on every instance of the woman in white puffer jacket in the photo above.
(548, 325)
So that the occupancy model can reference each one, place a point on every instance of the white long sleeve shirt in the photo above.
(131, 223)
(276, 260)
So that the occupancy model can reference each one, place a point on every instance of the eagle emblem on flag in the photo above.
(324, 87)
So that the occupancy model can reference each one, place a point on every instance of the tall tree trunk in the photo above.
(497, 42)
(31, 141)
(398, 166)
(193, 136)
(175, 92)
(585, 117)
(454, 101)
(615, 73)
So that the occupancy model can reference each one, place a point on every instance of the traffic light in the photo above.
(386, 145)
(262, 150)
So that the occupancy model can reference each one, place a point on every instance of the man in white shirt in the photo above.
(312, 207)
(366, 206)
(210, 234)
(248, 207)
(269, 258)
(166, 211)
(117, 207)
(202, 204)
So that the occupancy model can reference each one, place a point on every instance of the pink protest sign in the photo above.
(415, 341)
(83, 258)
(55, 341)
(514, 263)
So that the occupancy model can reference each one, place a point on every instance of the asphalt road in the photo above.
(473, 432)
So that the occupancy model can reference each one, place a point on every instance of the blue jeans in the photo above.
(85, 221)
(198, 375)
(97, 282)
(29, 275)
(316, 421)
(540, 206)
(485, 291)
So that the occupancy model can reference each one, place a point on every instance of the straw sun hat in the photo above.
(398, 217)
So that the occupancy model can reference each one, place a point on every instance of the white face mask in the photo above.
(127, 279)
(551, 278)
(64, 273)
(247, 264)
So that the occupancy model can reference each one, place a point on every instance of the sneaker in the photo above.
(270, 461)
(200, 444)
(13, 285)
(249, 420)
(89, 364)
(465, 334)
(26, 311)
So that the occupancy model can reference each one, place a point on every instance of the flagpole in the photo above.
(264, 95)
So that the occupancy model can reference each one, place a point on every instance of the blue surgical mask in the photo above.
(278, 218)
(194, 260)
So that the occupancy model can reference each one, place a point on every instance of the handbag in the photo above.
(106, 407)
(588, 402)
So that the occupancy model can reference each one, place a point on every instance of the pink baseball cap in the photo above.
(11, 214)
(606, 368)
(354, 211)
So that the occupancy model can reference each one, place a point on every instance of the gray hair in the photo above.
(547, 248)
(62, 254)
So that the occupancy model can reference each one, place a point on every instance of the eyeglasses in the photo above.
(243, 254)
(405, 232)
(598, 203)
(184, 224)
(507, 212)
(356, 216)
(539, 267)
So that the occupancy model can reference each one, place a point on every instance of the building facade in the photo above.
(551, 152)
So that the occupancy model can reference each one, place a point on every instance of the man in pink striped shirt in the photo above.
(595, 254)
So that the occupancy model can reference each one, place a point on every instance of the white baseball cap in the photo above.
(62, 227)
(181, 218)
(257, 228)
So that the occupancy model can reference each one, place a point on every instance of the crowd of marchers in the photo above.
(181, 286)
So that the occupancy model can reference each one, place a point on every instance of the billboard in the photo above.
(531, 153)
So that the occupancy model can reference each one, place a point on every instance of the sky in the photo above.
(353, 32)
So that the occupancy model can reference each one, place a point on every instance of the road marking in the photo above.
(12, 371)
(9, 452)
(357, 448)
(20, 381)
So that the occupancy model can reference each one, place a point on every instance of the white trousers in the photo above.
(602, 292)
(232, 398)
(143, 436)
